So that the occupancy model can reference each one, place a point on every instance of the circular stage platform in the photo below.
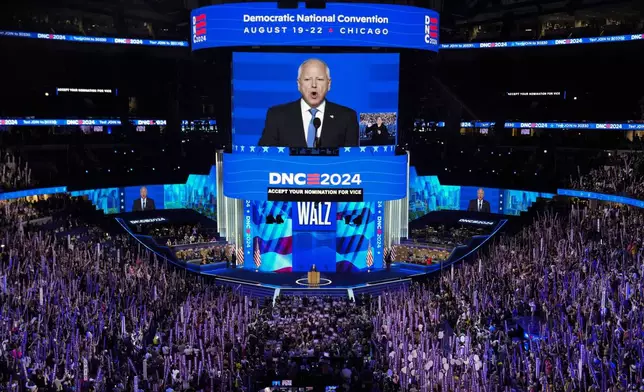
(305, 282)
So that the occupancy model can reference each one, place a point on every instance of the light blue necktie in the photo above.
(310, 139)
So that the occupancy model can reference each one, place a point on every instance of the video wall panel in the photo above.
(426, 194)
(106, 199)
(338, 24)
(364, 82)
(292, 236)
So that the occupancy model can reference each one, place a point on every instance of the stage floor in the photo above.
(338, 279)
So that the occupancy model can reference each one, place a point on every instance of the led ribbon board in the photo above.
(93, 40)
(339, 24)
(546, 42)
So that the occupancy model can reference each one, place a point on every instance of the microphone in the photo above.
(316, 124)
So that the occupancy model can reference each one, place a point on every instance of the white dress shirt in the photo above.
(143, 202)
(480, 204)
(306, 117)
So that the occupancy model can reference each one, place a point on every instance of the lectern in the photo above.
(313, 277)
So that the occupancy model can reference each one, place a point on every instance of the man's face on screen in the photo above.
(144, 193)
(313, 83)
(480, 194)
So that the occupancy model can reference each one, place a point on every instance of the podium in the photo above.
(313, 278)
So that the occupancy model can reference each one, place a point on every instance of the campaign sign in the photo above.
(318, 216)
(248, 236)
(339, 24)
(357, 174)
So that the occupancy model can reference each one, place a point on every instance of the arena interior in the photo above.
(187, 203)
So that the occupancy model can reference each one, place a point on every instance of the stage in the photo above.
(338, 279)
(345, 284)
(341, 284)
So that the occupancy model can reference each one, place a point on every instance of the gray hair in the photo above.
(326, 67)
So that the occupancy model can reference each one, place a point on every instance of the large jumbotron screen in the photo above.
(364, 82)
(339, 25)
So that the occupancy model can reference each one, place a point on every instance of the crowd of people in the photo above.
(557, 307)
(571, 284)
(205, 255)
(96, 313)
(619, 176)
(313, 340)
(173, 235)
(419, 254)
(14, 174)
(444, 236)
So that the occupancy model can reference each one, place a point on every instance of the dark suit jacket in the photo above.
(474, 206)
(149, 205)
(379, 139)
(284, 127)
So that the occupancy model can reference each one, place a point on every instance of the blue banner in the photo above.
(63, 122)
(93, 40)
(249, 235)
(378, 245)
(357, 174)
(339, 24)
(543, 125)
(240, 139)
(149, 122)
(56, 122)
(567, 125)
(468, 124)
(548, 42)
(202, 42)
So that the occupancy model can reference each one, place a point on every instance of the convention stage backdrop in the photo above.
(336, 237)
(426, 194)
(199, 193)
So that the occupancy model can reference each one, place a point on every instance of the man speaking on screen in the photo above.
(311, 121)
(479, 204)
(144, 203)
